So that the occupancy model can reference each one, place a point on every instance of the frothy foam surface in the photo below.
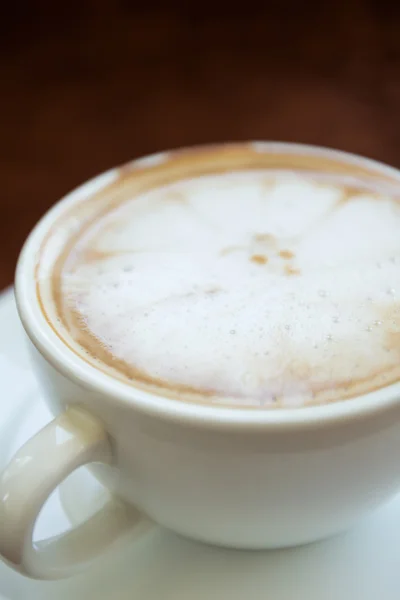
(253, 287)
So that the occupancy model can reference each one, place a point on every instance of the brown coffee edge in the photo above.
(347, 389)
(182, 164)
(137, 378)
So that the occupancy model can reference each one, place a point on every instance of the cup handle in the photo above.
(73, 439)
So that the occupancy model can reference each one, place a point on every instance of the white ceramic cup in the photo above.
(241, 478)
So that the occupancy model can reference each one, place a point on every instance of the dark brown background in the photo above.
(90, 84)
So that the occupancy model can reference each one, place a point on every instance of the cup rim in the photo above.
(155, 404)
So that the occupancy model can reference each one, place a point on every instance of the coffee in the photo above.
(238, 275)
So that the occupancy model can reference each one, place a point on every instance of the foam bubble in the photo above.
(168, 287)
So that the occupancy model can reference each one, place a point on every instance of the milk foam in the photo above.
(267, 288)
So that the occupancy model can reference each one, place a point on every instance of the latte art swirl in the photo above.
(250, 285)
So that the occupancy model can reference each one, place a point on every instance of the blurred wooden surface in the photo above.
(87, 85)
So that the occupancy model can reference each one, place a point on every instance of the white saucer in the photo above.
(361, 565)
